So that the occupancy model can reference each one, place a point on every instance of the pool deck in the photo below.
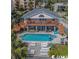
(37, 41)
(33, 33)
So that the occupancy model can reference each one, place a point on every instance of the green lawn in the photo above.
(58, 50)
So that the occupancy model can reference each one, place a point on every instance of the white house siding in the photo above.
(45, 16)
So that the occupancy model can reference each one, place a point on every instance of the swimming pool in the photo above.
(37, 37)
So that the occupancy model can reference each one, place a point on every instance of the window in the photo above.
(41, 15)
(61, 8)
(25, 6)
(24, 0)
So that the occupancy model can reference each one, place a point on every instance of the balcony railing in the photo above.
(41, 22)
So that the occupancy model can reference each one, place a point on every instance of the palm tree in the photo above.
(36, 3)
(18, 49)
(15, 16)
(60, 50)
(21, 8)
(30, 5)
(50, 3)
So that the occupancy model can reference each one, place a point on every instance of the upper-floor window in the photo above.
(24, 0)
(41, 15)
(25, 6)
(61, 8)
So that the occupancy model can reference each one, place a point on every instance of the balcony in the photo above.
(27, 23)
(41, 22)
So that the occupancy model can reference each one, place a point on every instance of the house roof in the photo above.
(38, 11)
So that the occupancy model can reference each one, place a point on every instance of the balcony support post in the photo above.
(36, 28)
(27, 28)
(45, 28)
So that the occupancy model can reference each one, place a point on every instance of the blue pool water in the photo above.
(37, 37)
(56, 32)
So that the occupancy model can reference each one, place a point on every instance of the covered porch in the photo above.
(41, 28)
(30, 25)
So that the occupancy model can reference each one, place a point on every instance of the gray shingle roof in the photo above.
(38, 11)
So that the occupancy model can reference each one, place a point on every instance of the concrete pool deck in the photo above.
(41, 32)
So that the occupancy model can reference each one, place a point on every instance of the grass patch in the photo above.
(58, 50)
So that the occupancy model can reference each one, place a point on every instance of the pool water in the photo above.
(37, 37)
(56, 32)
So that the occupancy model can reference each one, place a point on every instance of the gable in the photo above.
(42, 15)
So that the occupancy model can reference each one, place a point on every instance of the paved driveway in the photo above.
(40, 57)
(36, 57)
(37, 49)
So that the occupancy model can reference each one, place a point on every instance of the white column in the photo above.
(54, 28)
(27, 28)
(36, 28)
(45, 28)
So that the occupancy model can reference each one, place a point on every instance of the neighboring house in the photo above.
(59, 6)
(12, 7)
(22, 3)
